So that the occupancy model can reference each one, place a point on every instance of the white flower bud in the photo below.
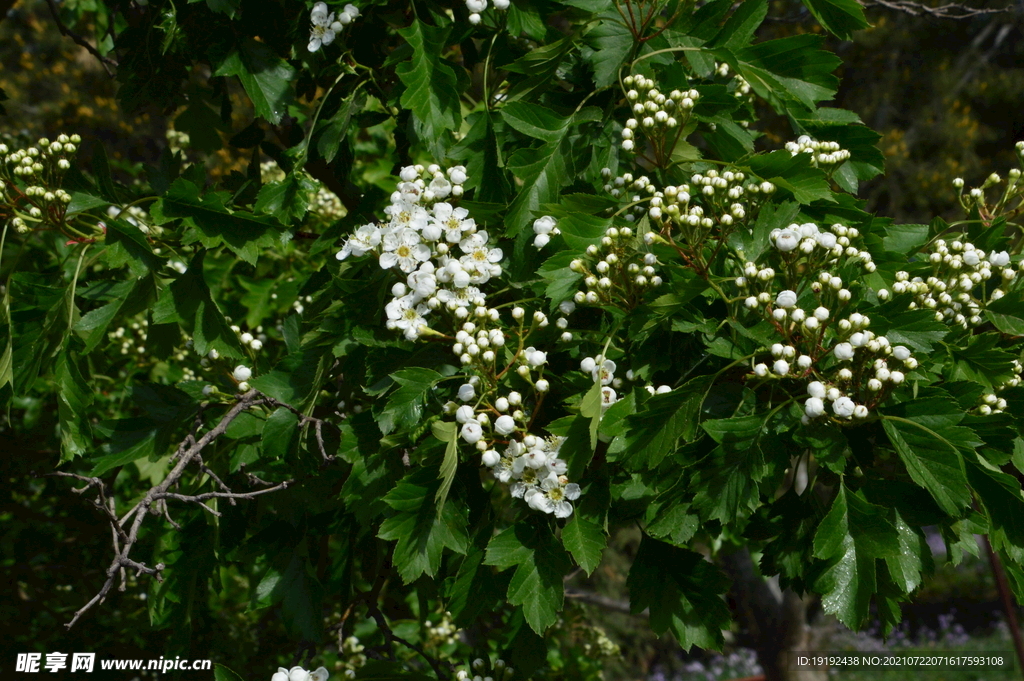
(242, 373)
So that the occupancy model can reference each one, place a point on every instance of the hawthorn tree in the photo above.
(491, 282)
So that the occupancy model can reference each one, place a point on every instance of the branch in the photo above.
(155, 500)
(79, 40)
(949, 11)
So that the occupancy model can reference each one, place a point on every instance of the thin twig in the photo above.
(949, 11)
(79, 40)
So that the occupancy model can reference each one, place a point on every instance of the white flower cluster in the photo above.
(956, 289)
(657, 116)
(498, 672)
(603, 370)
(617, 271)
(41, 168)
(531, 465)
(299, 674)
(355, 658)
(822, 246)
(476, 7)
(975, 197)
(439, 248)
(443, 632)
(324, 27)
(132, 338)
(822, 153)
(421, 239)
(711, 199)
(741, 88)
(544, 228)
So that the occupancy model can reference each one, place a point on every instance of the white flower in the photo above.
(787, 240)
(321, 32)
(242, 373)
(843, 407)
(821, 314)
(901, 353)
(761, 370)
(781, 367)
(490, 458)
(542, 386)
(504, 424)
(541, 240)
(604, 373)
(280, 675)
(544, 225)
(466, 392)
(454, 221)
(860, 411)
(588, 365)
(472, 432)
(464, 414)
(366, 238)
(406, 313)
(534, 357)
(786, 298)
(816, 389)
(1001, 259)
(814, 407)
(826, 239)
(404, 249)
(843, 351)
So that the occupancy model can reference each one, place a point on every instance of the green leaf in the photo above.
(740, 27)
(222, 673)
(981, 361)
(841, 17)
(535, 120)
(127, 245)
(421, 532)
(188, 302)
(652, 433)
(431, 91)
(789, 70)
(300, 595)
(543, 170)
(585, 540)
(795, 173)
(73, 401)
(296, 377)
(905, 239)
(129, 296)
(610, 43)
(540, 566)
(404, 407)
(917, 329)
(682, 591)
(280, 433)
(212, 224)
(852, 535)
(1007, 313)
(266, 78)
(287, 200)
(167, 411)
(923, 433)
(447, 433)
(906, 566)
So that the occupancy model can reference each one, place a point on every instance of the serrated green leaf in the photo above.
(73, 401)
(981, 361)
(212, 224)
(287, 200)
(682, 591)
(447, 433)
(585, 540)
(266, 78)
(431, 90)
(404, 407)
(188, 302)
(841, 17)
(1007, 313)
(852, 535)
(652, 433)
(421, 532)
(540, 565)
(931, 458)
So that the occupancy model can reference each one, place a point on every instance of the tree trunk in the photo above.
(775, 621)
